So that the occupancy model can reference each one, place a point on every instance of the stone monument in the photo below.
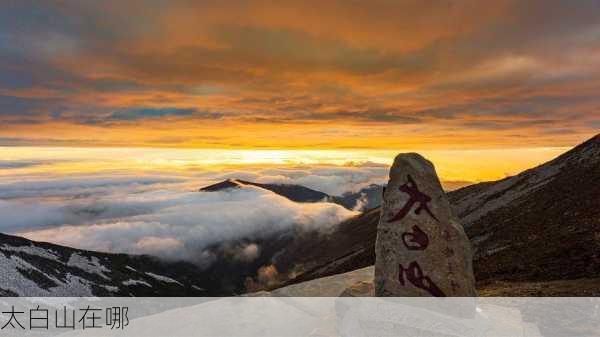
(421, 248)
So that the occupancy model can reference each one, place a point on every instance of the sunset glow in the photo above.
(453, 166)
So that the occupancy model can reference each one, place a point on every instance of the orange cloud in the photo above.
(300, 74)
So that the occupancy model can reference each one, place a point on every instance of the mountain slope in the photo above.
(31, 268)
(541, 225)
(350, 246)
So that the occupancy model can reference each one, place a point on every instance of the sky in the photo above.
(345, 75)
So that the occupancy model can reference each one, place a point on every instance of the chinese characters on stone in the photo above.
(415, 197)
(415, 240)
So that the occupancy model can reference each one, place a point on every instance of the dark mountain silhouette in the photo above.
(296, 193)
(367, 198)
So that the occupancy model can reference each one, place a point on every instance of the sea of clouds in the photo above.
(163, 214)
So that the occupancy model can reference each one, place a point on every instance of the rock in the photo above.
(421, 249)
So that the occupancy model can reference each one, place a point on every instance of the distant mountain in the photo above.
(367, 198)
(29, 268)
(295, 193)
(541, 225)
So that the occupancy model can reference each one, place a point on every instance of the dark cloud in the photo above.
(34, 141)
(373, 115)
(508, 124)
(134, 114)
(17, 164)
(130, 115)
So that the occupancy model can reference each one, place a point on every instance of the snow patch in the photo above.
(136, 282)
(163, 278)
(112, 289)
(13, 280)
(32, 250)
(92, 265)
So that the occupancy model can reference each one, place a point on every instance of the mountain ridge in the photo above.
(366, 198)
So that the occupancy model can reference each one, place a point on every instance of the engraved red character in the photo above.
(417, 240)
(416, 197)
(414, 274)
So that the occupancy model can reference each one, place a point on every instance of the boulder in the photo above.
(421, 248)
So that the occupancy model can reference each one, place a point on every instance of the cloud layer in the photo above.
(183, 224)
(163, 214)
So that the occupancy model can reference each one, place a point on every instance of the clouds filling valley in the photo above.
(165, 215)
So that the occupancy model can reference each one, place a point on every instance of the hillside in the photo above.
(543, 224)
(540, 225)
(41, 269)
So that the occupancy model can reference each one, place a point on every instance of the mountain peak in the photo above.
(295, 193)
(223, 185)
